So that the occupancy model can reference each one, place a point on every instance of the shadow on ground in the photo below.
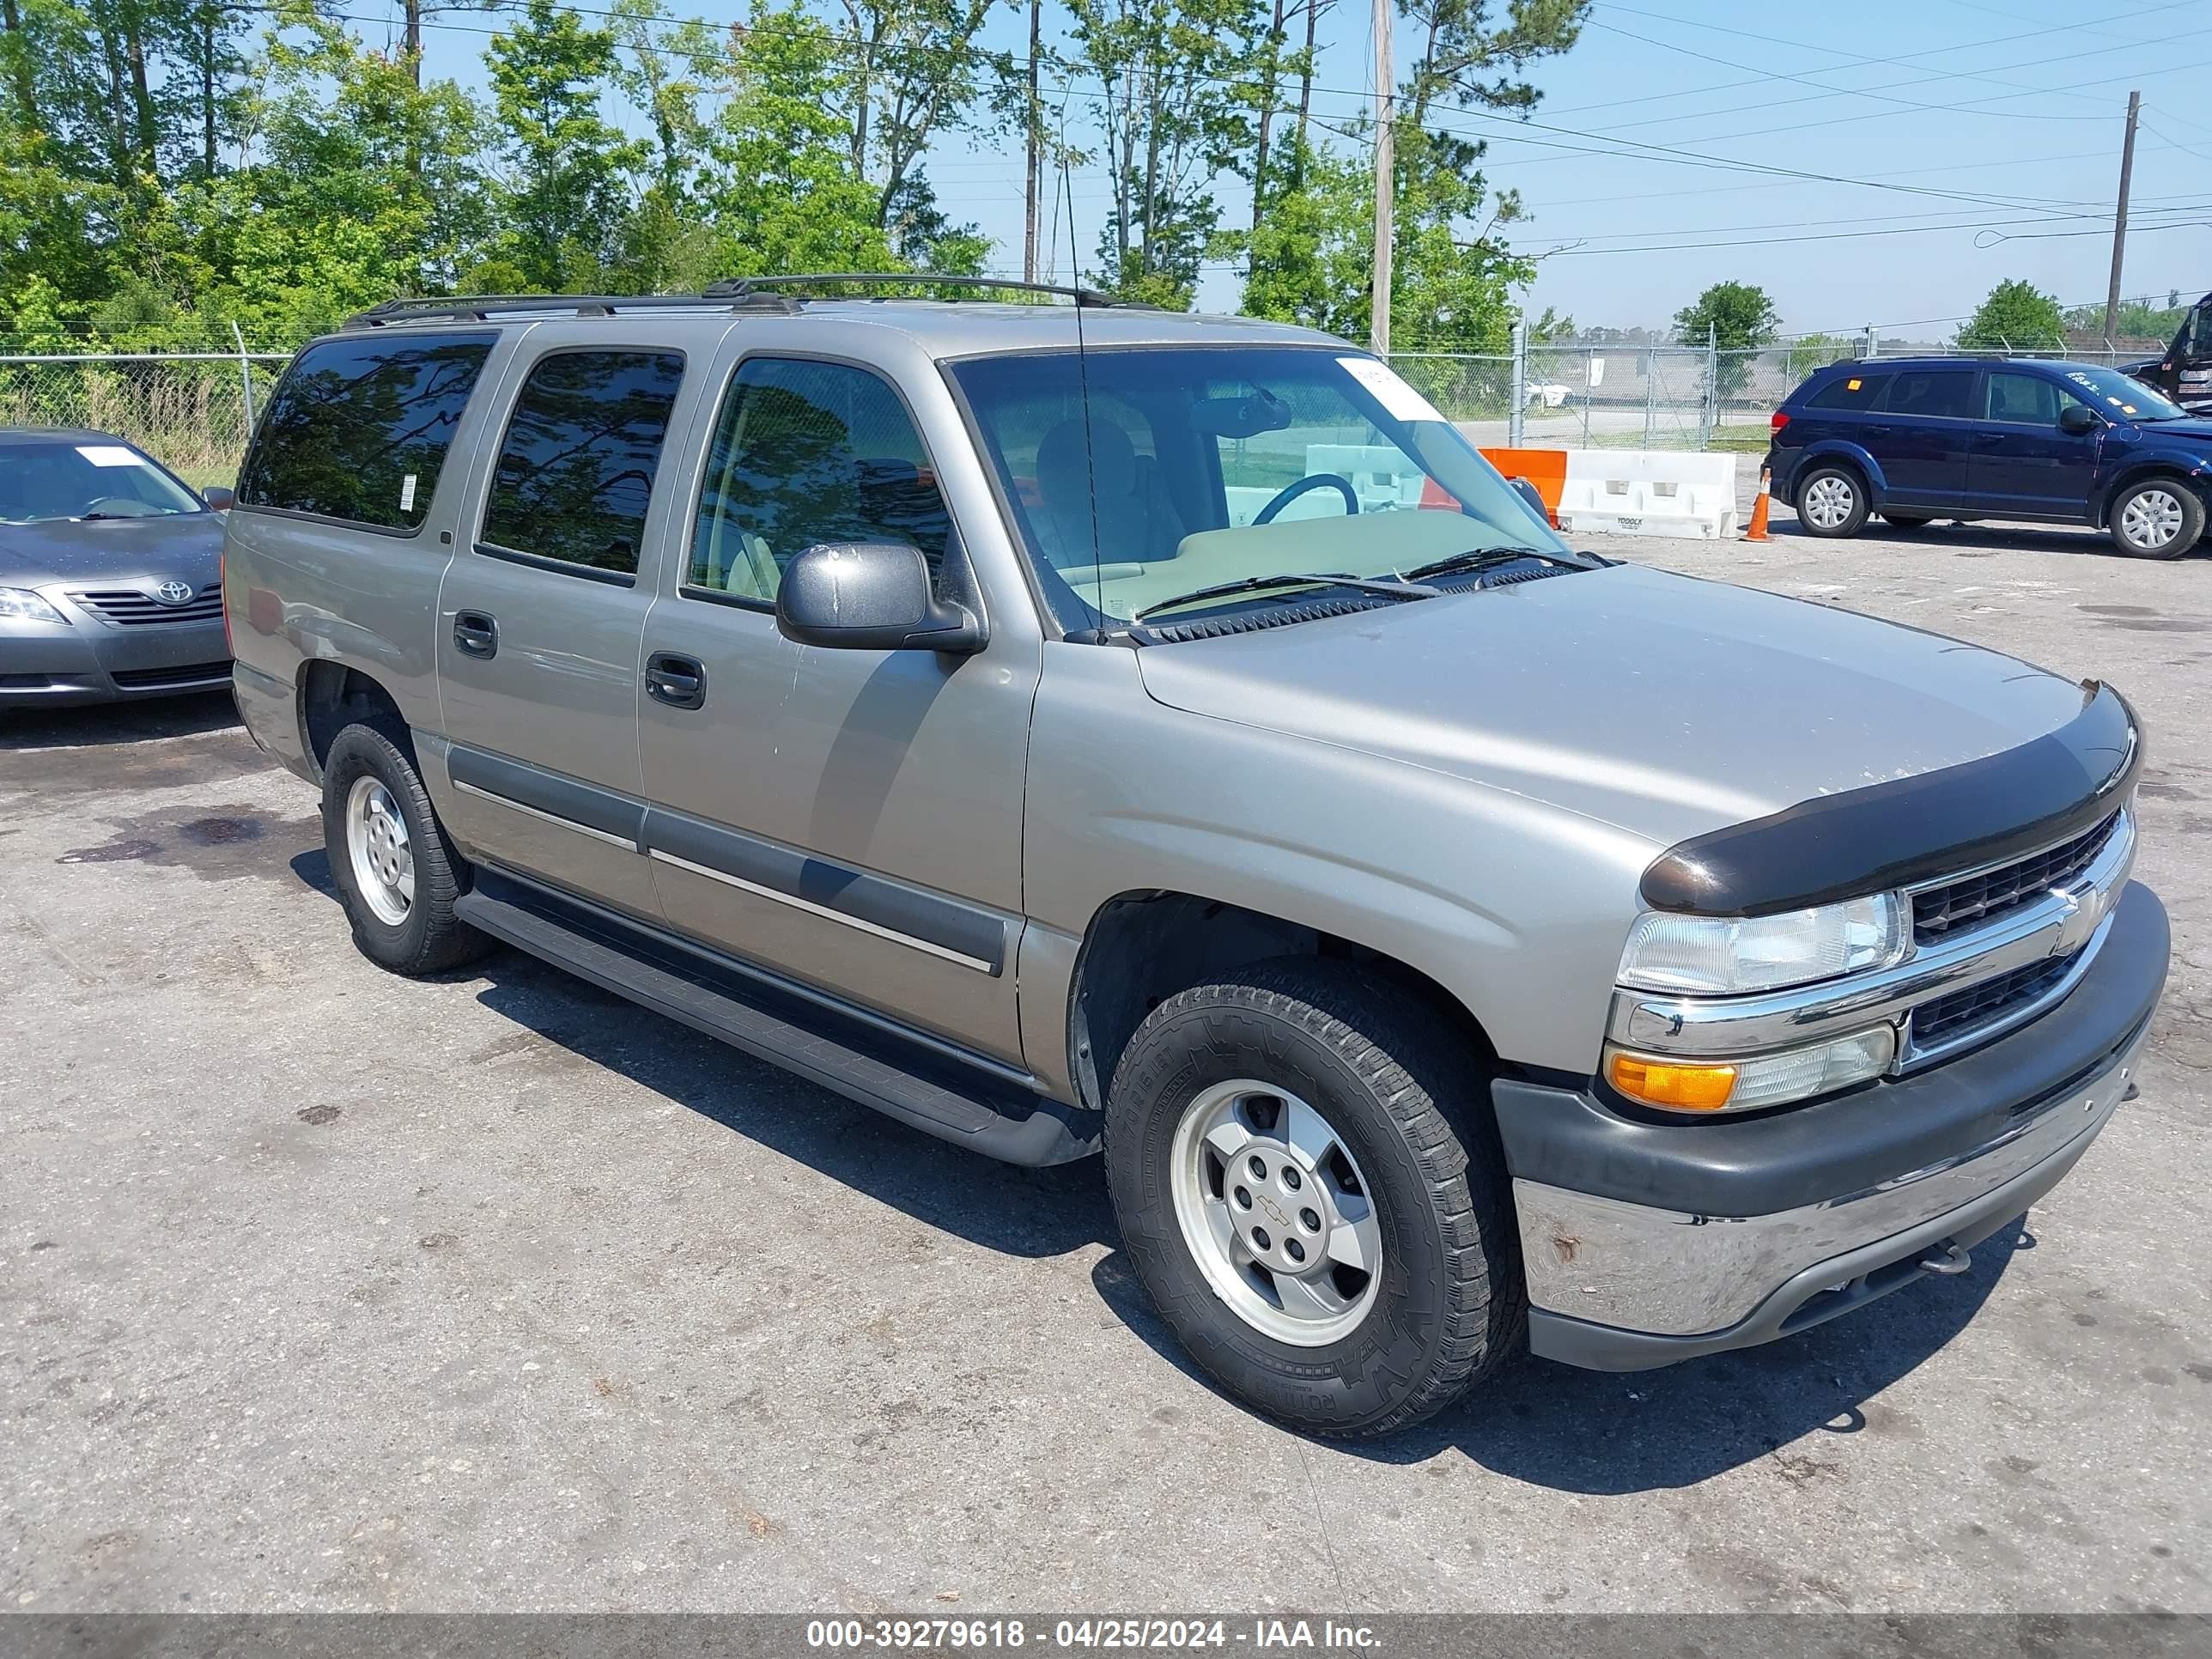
(29, 727)
(1016, 1211)
(1610, 1434)
(1548, 1425)
(1981, 539)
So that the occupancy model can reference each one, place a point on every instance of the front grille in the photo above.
(190, 673)
(1937, 911)
(1945, 1018)
(25, 682)
(130, 606)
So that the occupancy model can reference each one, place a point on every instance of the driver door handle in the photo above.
(677, 680)
(476, 634)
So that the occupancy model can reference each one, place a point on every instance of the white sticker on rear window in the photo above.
(111, 455)
(1400, 401)
(407, 494)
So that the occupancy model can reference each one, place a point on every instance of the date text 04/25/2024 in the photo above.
(1259, 1636)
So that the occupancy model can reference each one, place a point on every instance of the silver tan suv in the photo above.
(1067, 727)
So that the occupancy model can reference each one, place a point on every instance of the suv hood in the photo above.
(185, 545)
(1661, 704)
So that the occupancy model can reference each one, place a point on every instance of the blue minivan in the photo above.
(1916, 439)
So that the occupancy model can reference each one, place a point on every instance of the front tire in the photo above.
(1831, 501)
(2157, 518)
(1328, 1246)
(397, 873)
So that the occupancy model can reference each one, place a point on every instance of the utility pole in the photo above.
(2120, 218)
(1386, 119)
(1029, 179)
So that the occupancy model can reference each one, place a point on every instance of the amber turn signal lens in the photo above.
(1678, 1087)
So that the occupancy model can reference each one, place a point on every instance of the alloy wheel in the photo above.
(383, 857)
(1276, 1212)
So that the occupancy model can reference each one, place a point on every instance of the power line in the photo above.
(1565, 238)
(1857, 236)
(1823, 90)
(1884, 59)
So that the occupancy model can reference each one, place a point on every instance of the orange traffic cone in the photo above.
(1758, 531)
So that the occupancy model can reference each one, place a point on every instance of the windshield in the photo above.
(2117, 396)
(1190, 467)
(107, 480)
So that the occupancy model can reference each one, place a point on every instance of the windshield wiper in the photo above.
(1488, 558)
(1393, 589)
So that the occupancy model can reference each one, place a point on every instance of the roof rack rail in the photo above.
(482, 308)
(745, 287)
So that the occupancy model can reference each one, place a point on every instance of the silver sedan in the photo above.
(110, 573)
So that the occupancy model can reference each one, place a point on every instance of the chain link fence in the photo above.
(1646, 397)
(193, 411)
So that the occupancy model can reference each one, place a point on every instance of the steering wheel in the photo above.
(1313, 481)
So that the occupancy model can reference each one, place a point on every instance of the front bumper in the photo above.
(1648, 1242)
(91, 661)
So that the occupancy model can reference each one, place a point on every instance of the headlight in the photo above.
(21, 605)
(1720, 955)
(1681, 1084)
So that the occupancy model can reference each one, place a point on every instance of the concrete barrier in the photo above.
(1690, 497)
(1640, 492)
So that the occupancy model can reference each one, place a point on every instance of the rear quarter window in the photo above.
(1849, 392)
(358, 428)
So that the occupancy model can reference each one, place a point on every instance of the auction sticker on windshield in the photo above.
(1400, 401)
(110, 455)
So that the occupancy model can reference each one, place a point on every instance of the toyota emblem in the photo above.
(174, 593)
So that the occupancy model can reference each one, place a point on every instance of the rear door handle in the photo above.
(677, 680)
(476, 634)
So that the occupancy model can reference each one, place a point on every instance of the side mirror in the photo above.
(219, 499)
(1529, 493)
(870, 596)
(2078, 420)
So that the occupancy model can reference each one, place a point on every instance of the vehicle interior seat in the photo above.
(1078, 461)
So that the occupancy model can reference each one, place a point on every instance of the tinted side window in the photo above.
(1932, 391)
(807, 453)
(358, 428)
(575, 473)
(1849, 392)
(2026, 399)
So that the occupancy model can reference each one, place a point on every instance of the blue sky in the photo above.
(1668, 149)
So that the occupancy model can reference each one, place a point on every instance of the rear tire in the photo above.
(1831, 501)
(1264, 1137)
(397, 873)
(2157, 518)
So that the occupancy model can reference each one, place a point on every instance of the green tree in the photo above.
(1310, 254)
(777, 185)
(914, 70)
(1166, 74)
(2017, 316)
(1736, 317)
(2139, 318)
(566, 196)
(368, 185)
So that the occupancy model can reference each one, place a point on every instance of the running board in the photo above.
(964, 1105)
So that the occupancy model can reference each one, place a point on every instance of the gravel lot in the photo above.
(325, 1289)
